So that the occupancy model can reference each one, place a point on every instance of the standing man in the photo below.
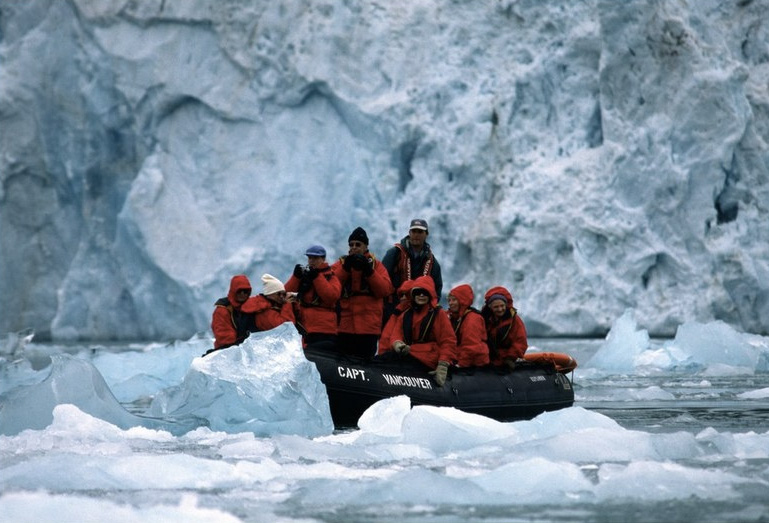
(365, 284)
(318, 290)
(408, 260)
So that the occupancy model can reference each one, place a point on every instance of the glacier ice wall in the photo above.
(591, 156)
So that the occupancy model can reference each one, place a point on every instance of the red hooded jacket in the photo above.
(428, 345)
(385, 340)
(361, 304)
(317, 300)
(268, 314)
(469, 328)
(506, 336)
(229, 324)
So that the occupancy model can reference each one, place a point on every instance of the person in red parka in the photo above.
(404, 303)
(229, 323)
(365, 283)
(318, 290)
(505, 330)
(424, 331)
(272, 307)
(469, 328)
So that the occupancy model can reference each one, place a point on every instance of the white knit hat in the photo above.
(271, 284)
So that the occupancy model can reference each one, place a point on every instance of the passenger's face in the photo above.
(242, 295)
(453, 303)
(498, 307)
(277, 297)
(421, 297)
(315, 261)
(417, 237)
(357, 247)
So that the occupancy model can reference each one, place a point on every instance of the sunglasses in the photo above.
(243, 291)
(356, 244)
(420, 292)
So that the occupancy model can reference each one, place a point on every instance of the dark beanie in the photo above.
(358, 235)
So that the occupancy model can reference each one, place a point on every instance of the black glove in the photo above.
(298, 271)
(368, 269)
(359, 261)
(312, 273)
(347, 265)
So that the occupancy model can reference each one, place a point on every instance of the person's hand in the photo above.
(291, 297)
(347, 264)
(312, 273)
(440, 372)
(368, 269)
(509, 363)
(298, 271)
(359, 261)
(401, 347)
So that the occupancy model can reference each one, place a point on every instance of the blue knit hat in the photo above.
(315, 250)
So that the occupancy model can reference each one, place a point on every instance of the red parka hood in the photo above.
(498, 291)
(464, 295)
(237, 283)
(405, 288)
(426, 283)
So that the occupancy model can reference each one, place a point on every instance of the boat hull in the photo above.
(353, 385)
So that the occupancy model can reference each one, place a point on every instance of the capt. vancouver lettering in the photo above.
(353, 374)
(408, 381)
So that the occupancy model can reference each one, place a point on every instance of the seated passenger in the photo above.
(272, 307)
(469, 328)
(424, 331)
(318, 290)
(229, 323)
(404, 303)
(505, 330)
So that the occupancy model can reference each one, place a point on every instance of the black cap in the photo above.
(418, 223)
(358, 235)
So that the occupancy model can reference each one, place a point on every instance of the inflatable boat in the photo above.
(537, 384)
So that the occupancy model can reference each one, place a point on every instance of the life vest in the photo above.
(404, 265)
(425, 327)
(458, 325)
(501, 340)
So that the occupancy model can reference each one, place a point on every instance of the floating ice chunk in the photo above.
(758, 394)
(715, 349)
(654, 481)
(624, 343)
(446, 429)
(718, 344)
(264, 385)
(385, 417)
(71, 381)
(26, 507)
(546, 481)
(160, 366)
